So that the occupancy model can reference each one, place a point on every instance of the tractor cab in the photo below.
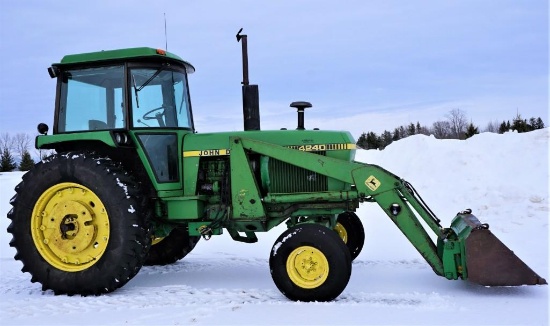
(131, 104)
(114, 91)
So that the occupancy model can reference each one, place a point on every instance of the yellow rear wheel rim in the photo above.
(70, 227)
(341, 231)
(307, 267)
(156, 240)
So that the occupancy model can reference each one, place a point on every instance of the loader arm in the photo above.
(396, 197)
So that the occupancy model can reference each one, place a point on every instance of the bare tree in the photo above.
(21, 142)
(423, 130)
(41, 154)
(441, 129)
(6, 142)
(492, 126)
(458, 121)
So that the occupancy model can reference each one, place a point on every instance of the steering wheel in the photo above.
(147, 116)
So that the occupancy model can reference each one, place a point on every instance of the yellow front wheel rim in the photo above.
(341, 231)
(70, 227)
(307, 267)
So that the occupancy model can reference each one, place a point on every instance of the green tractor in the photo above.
(133, 184)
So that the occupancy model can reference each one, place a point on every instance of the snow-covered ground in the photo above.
(503, 178)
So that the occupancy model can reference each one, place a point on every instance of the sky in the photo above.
(364, 65)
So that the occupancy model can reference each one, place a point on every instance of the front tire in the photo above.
(79, 224)
(308, 262)
(350, 229)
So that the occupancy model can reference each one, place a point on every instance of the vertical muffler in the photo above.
(251, 99)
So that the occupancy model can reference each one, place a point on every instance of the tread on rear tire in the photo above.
(80, 224)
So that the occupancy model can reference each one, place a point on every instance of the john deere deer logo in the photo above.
(372, 183)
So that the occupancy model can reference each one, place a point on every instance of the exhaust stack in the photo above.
(251, 100)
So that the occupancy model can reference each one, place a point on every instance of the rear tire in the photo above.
(171, 248)
(308, 262)
(80, 224)
(350, 229)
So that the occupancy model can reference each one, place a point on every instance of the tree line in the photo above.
(15, 149)
(455, 126)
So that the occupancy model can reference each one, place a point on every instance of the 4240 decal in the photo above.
(305, 148)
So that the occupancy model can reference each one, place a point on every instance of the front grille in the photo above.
(287, 178)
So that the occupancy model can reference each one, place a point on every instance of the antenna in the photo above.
(165, 33)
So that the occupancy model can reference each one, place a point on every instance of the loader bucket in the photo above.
(488, 261)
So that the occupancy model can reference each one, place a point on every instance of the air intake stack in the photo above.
(300, 107)
(251, 100)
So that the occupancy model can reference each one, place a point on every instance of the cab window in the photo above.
(159, 98)
(91, 99)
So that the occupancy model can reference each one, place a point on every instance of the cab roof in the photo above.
(123, 55)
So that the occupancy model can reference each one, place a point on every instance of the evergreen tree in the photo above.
(403, 132)
(411, 129)
(373, 141)
(539, 124)
(396, 135)
(532, 123)
(362, 141)
(7, 162)
(418, 128)
(519, 124)
(471, 130)
(385, 139)
(26, 161)
(380, 142)
(502, 128)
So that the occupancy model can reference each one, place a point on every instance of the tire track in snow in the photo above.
(413, 263)
(197, 264)
(185, 297)
(27, 299)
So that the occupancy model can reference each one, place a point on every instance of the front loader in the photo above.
(132, 183)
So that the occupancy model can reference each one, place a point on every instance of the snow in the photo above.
(278, 244)
(504, 179)
(124, 187)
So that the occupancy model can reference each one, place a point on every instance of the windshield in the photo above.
(159, 98)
